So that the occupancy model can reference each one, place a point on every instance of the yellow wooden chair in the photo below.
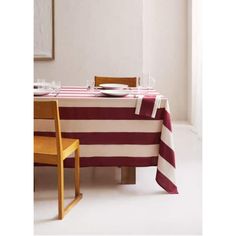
(130, 81)
(54, 150)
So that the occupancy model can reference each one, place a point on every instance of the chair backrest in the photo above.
(130, 81)
(48, 110)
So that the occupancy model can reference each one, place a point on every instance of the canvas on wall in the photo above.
(43, 29)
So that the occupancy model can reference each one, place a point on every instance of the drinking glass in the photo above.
(41, 84)
(151, 82)
(56, 86)
(90, 84)
(147, 81)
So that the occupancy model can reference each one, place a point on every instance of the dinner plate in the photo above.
(41, 92)
(115, 93)
(113, 86)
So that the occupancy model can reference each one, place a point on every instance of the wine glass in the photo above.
(147, 81)
(151, 82)
(40, 84)
(90, 84)
(56, 86)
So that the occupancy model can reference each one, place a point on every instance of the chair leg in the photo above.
(60, 175)
(78, 195)
(77, 173)
(60, 179)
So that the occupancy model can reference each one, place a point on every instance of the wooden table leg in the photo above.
(34, 183)
(128, 175)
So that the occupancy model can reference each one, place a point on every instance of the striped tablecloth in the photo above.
(111, 132)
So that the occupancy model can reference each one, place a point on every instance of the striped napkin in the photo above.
(147, 105)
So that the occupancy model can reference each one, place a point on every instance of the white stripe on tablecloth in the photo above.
(167, 137)
(119, 150)
(127, 102)
(101, 125)
(166, 169)
(167, 107)
(91, 102)
(156, 106)
(138, 105)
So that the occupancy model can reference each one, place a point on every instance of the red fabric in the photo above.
(167, 120)
(147, 106)
(105, 113)
(110, 161)
(165, 183)
(109, 138)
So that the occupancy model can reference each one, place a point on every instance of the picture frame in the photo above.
(44, 35)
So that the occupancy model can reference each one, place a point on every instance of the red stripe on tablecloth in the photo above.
(147, 106)
(110, 161)
(167, 153)
(114, 161)
(167, 120)
(165, 183)
(105, 113)
(110, 138)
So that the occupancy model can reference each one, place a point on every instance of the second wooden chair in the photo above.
(130, 81)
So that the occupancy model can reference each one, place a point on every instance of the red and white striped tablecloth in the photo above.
(111, 134)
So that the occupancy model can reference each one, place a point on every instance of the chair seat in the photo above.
(46, 146)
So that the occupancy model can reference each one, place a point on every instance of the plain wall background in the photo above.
(165, 50)
(122, 38)
(102, 37)
(195, 66)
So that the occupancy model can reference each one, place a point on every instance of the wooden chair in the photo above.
(130, 81)
(54, 150)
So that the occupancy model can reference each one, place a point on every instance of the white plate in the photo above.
(40, 92)
(113, 86)
(115, 93)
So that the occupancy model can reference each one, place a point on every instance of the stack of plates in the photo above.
(113, 86)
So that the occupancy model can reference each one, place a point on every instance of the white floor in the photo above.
(110, 208)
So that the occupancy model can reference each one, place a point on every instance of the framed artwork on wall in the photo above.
(44, 30)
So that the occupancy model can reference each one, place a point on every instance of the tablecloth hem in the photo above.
(166, 184)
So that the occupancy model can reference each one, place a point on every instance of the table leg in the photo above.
(128, 175)
(34, 184)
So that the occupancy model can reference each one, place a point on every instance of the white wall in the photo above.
(194, 66)
(165, 50)
(120, 38)
(94, 37)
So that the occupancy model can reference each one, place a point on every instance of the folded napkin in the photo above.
(147, 105)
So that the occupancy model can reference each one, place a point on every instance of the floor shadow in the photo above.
(46, 220)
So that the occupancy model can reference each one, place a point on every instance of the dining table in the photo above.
(128, 131)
